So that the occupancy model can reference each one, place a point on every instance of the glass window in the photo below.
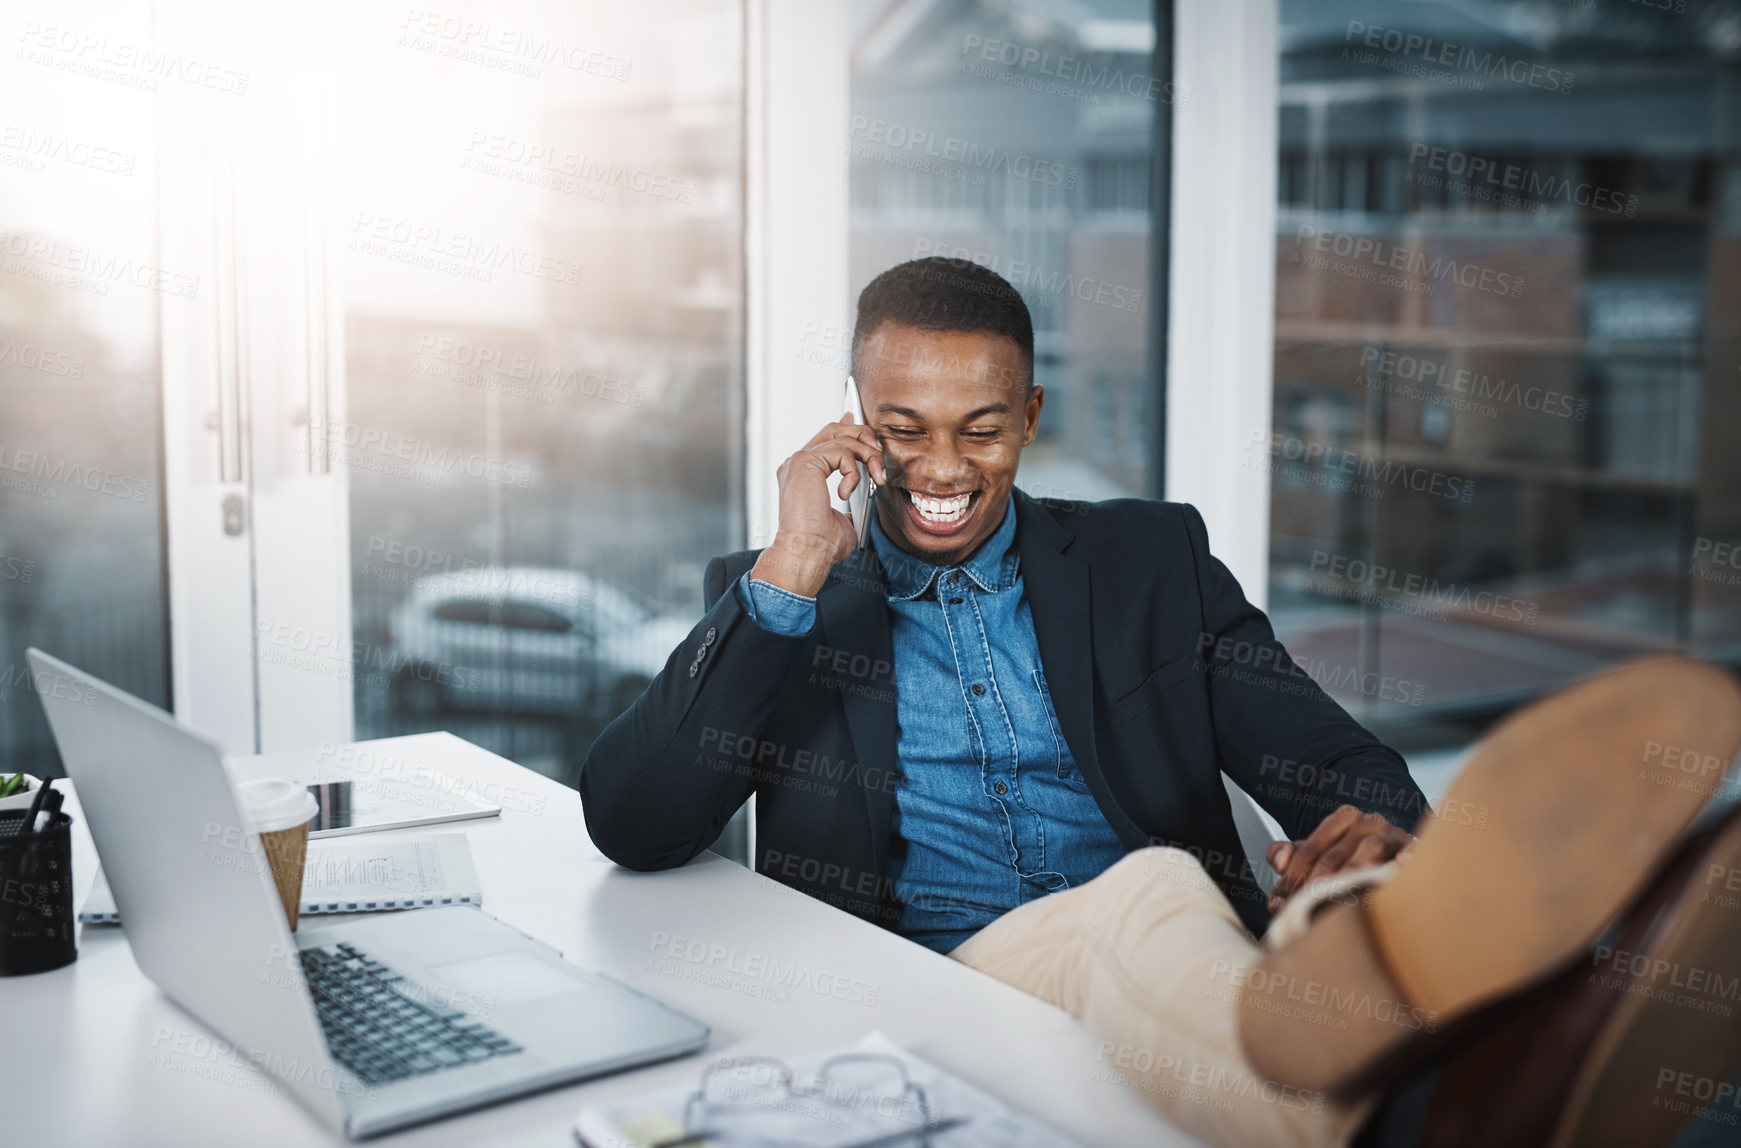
(543, 275)
(1020, 137)
(81, 285)
(1507, 403)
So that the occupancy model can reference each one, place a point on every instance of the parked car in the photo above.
(525, 639)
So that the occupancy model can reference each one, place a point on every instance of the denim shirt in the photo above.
(991, 812)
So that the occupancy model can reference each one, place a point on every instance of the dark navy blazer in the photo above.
(1162, 674)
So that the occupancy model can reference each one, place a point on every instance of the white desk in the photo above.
(87, 1053)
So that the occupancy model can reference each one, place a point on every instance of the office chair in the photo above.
(1257, 831)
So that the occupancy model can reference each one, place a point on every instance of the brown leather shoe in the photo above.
(1554, 826)
(1631, 1046)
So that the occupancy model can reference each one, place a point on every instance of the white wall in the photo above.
(795, 234)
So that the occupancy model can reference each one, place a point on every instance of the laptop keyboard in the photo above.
(386, 1028)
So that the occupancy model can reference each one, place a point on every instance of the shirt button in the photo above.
(1000, 787)
(955, 601)
(978, 690)
(952, 580)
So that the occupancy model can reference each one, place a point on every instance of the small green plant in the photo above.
(11, 784)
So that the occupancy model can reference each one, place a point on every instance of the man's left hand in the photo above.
(1347, 839)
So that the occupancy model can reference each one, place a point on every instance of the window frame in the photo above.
(1220, 266)
(796, 190)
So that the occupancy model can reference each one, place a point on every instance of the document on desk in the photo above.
(353, 875)
(872, 1095)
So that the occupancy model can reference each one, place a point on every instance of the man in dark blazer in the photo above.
(998, 727)
(996, 696)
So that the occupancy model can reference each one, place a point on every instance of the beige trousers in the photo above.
(1150, 956)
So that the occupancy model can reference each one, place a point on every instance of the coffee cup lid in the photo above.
(275, 804)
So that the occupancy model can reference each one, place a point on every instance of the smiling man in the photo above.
(999, 729)
(997, 697)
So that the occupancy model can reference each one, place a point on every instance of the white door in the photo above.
(253, 373)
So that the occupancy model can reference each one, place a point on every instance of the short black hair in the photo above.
(942, 294)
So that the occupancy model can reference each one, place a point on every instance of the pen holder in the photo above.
(36, 895)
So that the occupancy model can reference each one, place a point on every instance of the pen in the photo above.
(51, 807)
(29, 825)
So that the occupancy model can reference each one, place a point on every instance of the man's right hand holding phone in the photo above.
(812, 536)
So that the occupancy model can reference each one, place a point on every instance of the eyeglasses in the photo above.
(867, 1096)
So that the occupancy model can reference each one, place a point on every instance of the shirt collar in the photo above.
(992, 567)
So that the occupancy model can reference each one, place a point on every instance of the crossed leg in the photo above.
(1586, 809)
(1150, 956)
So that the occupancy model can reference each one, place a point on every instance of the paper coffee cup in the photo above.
(281, 811)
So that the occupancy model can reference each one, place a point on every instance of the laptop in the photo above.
(374, 1023)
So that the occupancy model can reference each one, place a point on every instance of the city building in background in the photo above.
(1020, 136)
(525, 585)
(1507, 372)
(81, 284)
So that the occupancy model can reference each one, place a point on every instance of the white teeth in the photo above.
(940, 510)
